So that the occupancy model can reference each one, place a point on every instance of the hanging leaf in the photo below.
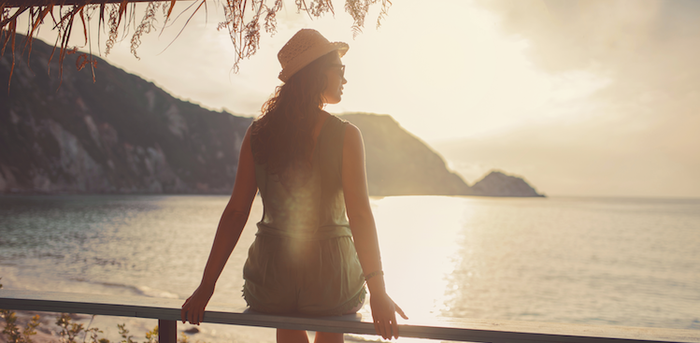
(244, 20)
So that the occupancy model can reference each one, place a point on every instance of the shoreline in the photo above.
(48, 331)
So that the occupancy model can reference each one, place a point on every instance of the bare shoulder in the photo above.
(352, 133)
(353, 146)
(248, 135)
(251, 127)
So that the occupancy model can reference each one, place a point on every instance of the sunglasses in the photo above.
(341, 67)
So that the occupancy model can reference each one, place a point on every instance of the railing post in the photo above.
(167, 331)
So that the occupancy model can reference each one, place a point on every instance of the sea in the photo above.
(580, 260)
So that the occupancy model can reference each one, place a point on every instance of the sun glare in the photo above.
(417, 285)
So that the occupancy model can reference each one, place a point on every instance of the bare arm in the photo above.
(228, 232)
(364, 232)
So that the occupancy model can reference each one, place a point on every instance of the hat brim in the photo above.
(310, 55)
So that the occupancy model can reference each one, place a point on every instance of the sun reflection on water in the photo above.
(626, 262)
(420, 251)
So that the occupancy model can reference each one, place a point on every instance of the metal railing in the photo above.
(167, 312)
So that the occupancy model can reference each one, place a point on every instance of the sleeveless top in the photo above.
(303, 259)
(308, 203)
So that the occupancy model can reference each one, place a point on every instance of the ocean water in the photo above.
(600, 261)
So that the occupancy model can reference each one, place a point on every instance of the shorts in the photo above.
(303, 277)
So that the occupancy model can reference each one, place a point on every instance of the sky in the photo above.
(580, 98)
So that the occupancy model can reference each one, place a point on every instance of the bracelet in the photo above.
(373, 274)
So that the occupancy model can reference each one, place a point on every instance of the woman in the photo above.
(307, 257)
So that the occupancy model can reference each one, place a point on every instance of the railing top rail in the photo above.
(439, 329)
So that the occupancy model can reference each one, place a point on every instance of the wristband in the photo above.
(373, 274)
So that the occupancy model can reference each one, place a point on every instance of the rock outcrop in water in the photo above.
(498, 184)
(123, 134)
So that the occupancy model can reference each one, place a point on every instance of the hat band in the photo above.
(306, 57)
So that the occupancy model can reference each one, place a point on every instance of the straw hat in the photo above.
(303, 48)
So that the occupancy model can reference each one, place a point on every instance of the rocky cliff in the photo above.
(118, 135)
(399, 163)
(123, 134)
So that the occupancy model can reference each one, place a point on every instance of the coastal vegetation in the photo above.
(244, 21)
(69, 331)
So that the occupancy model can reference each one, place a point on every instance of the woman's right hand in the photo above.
(384, 315)
(193, 308)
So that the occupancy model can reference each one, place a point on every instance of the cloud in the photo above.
(553, 90)
(641, 127)
(645, 45)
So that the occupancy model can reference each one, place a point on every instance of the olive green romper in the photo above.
(303, 260)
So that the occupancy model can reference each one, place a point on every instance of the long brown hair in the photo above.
(283, 134)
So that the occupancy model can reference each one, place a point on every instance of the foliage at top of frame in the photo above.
(244, 21)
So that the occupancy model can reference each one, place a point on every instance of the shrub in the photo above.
(70, 331)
